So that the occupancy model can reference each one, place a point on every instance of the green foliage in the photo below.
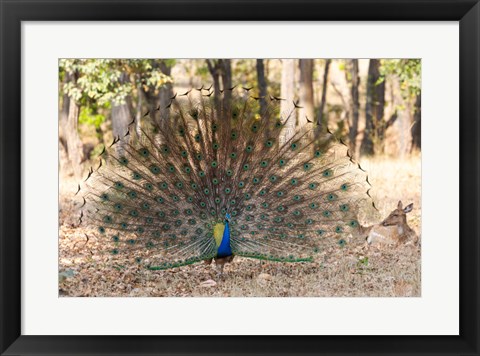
(408, 71)
(203, 72)
(111, 80)
(89, 117)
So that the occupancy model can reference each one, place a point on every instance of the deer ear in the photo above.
(400, 205)
(408, 208)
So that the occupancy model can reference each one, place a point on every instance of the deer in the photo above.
(383, 234)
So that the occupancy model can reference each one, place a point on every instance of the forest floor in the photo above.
(354, 271)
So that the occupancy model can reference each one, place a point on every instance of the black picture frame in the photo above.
(467, 12)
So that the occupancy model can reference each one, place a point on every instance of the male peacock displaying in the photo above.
(220, 178)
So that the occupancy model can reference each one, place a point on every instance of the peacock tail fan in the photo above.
(163, 192)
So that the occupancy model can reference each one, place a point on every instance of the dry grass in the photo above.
(352, 272)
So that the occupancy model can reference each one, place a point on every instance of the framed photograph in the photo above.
(239, 177)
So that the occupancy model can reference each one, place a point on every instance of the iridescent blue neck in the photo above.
(224, 249)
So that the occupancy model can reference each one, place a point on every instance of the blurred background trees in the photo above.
(373, 104)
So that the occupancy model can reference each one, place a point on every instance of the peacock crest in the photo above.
(220, 177)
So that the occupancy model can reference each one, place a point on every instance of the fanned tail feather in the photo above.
(158, 198)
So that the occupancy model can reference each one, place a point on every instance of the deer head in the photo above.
(398, 216)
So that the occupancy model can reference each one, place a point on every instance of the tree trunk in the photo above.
(165, 95)
(68, 130)
(152, 102)
(353, 80)
(374, 109)
(306, 92)
(322, 120)
(287, 92)
(368, 140)
(221, 69)
(121, 117)
(226, 78)
(402, 126)
(262, 85)
(139, 110)
(75, 145)
(215, 72)
(122, 114)
(417, 123)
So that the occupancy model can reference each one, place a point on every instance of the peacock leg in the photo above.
(220, 273)
(220, 264)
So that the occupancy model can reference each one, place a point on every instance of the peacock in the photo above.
(219, 177)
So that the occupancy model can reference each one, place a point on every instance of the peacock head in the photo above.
(227, 217)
